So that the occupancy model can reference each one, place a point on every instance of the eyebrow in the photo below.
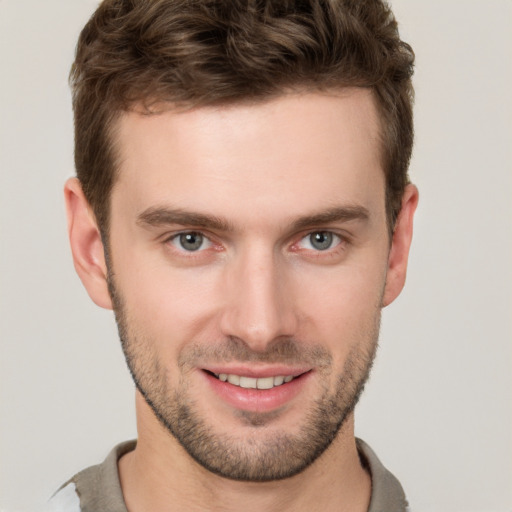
(336, 214)
(161, 216)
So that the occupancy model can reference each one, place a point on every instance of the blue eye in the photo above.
(191, 241)
(320, 241)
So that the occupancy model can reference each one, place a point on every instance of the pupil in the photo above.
(321, 240)
(191, 241)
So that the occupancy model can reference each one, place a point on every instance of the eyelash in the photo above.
(333, 240)
(339, 242)
(177, 238)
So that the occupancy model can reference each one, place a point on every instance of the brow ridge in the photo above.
(335, 214)
(160, 216)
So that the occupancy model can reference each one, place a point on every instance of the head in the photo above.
(243, 206)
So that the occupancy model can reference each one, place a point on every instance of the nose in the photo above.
(259, 300)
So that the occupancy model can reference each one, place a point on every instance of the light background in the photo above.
(438, 409)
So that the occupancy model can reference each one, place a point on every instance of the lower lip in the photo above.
(257, 400)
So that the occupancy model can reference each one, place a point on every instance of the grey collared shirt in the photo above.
(97, 488)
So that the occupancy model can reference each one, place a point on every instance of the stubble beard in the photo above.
(258, 456)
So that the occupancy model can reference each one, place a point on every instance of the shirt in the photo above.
(97, 488)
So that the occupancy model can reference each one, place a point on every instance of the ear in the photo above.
(86, 244)
(400, 245)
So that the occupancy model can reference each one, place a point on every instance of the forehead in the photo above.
(289, 154)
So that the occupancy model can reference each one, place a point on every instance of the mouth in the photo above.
(247, 382)
(257, 389)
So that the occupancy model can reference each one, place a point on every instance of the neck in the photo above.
(159, 475)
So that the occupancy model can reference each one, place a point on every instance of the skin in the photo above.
(266, 170)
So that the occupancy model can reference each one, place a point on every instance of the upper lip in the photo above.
(258, 372)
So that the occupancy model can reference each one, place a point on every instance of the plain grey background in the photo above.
(438, 408)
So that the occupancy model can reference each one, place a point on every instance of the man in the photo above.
(242, 204)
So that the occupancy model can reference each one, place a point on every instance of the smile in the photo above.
(262, 389)
(252, 382)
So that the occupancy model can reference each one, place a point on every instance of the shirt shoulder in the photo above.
(94, 488)
(387, 492)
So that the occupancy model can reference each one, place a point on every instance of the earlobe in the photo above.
(86, 244)
(400, 245)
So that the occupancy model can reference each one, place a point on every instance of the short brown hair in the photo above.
(211, 52)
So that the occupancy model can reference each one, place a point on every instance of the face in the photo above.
(248, 261)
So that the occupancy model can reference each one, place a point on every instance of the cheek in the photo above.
(342, 310)
(169, 306)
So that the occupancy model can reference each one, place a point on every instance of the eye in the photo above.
(320, 241)
(191, 241)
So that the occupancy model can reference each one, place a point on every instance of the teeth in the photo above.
(248, 382)
(252, 382)
(278, 381)
(234, 379)
(265, 383)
